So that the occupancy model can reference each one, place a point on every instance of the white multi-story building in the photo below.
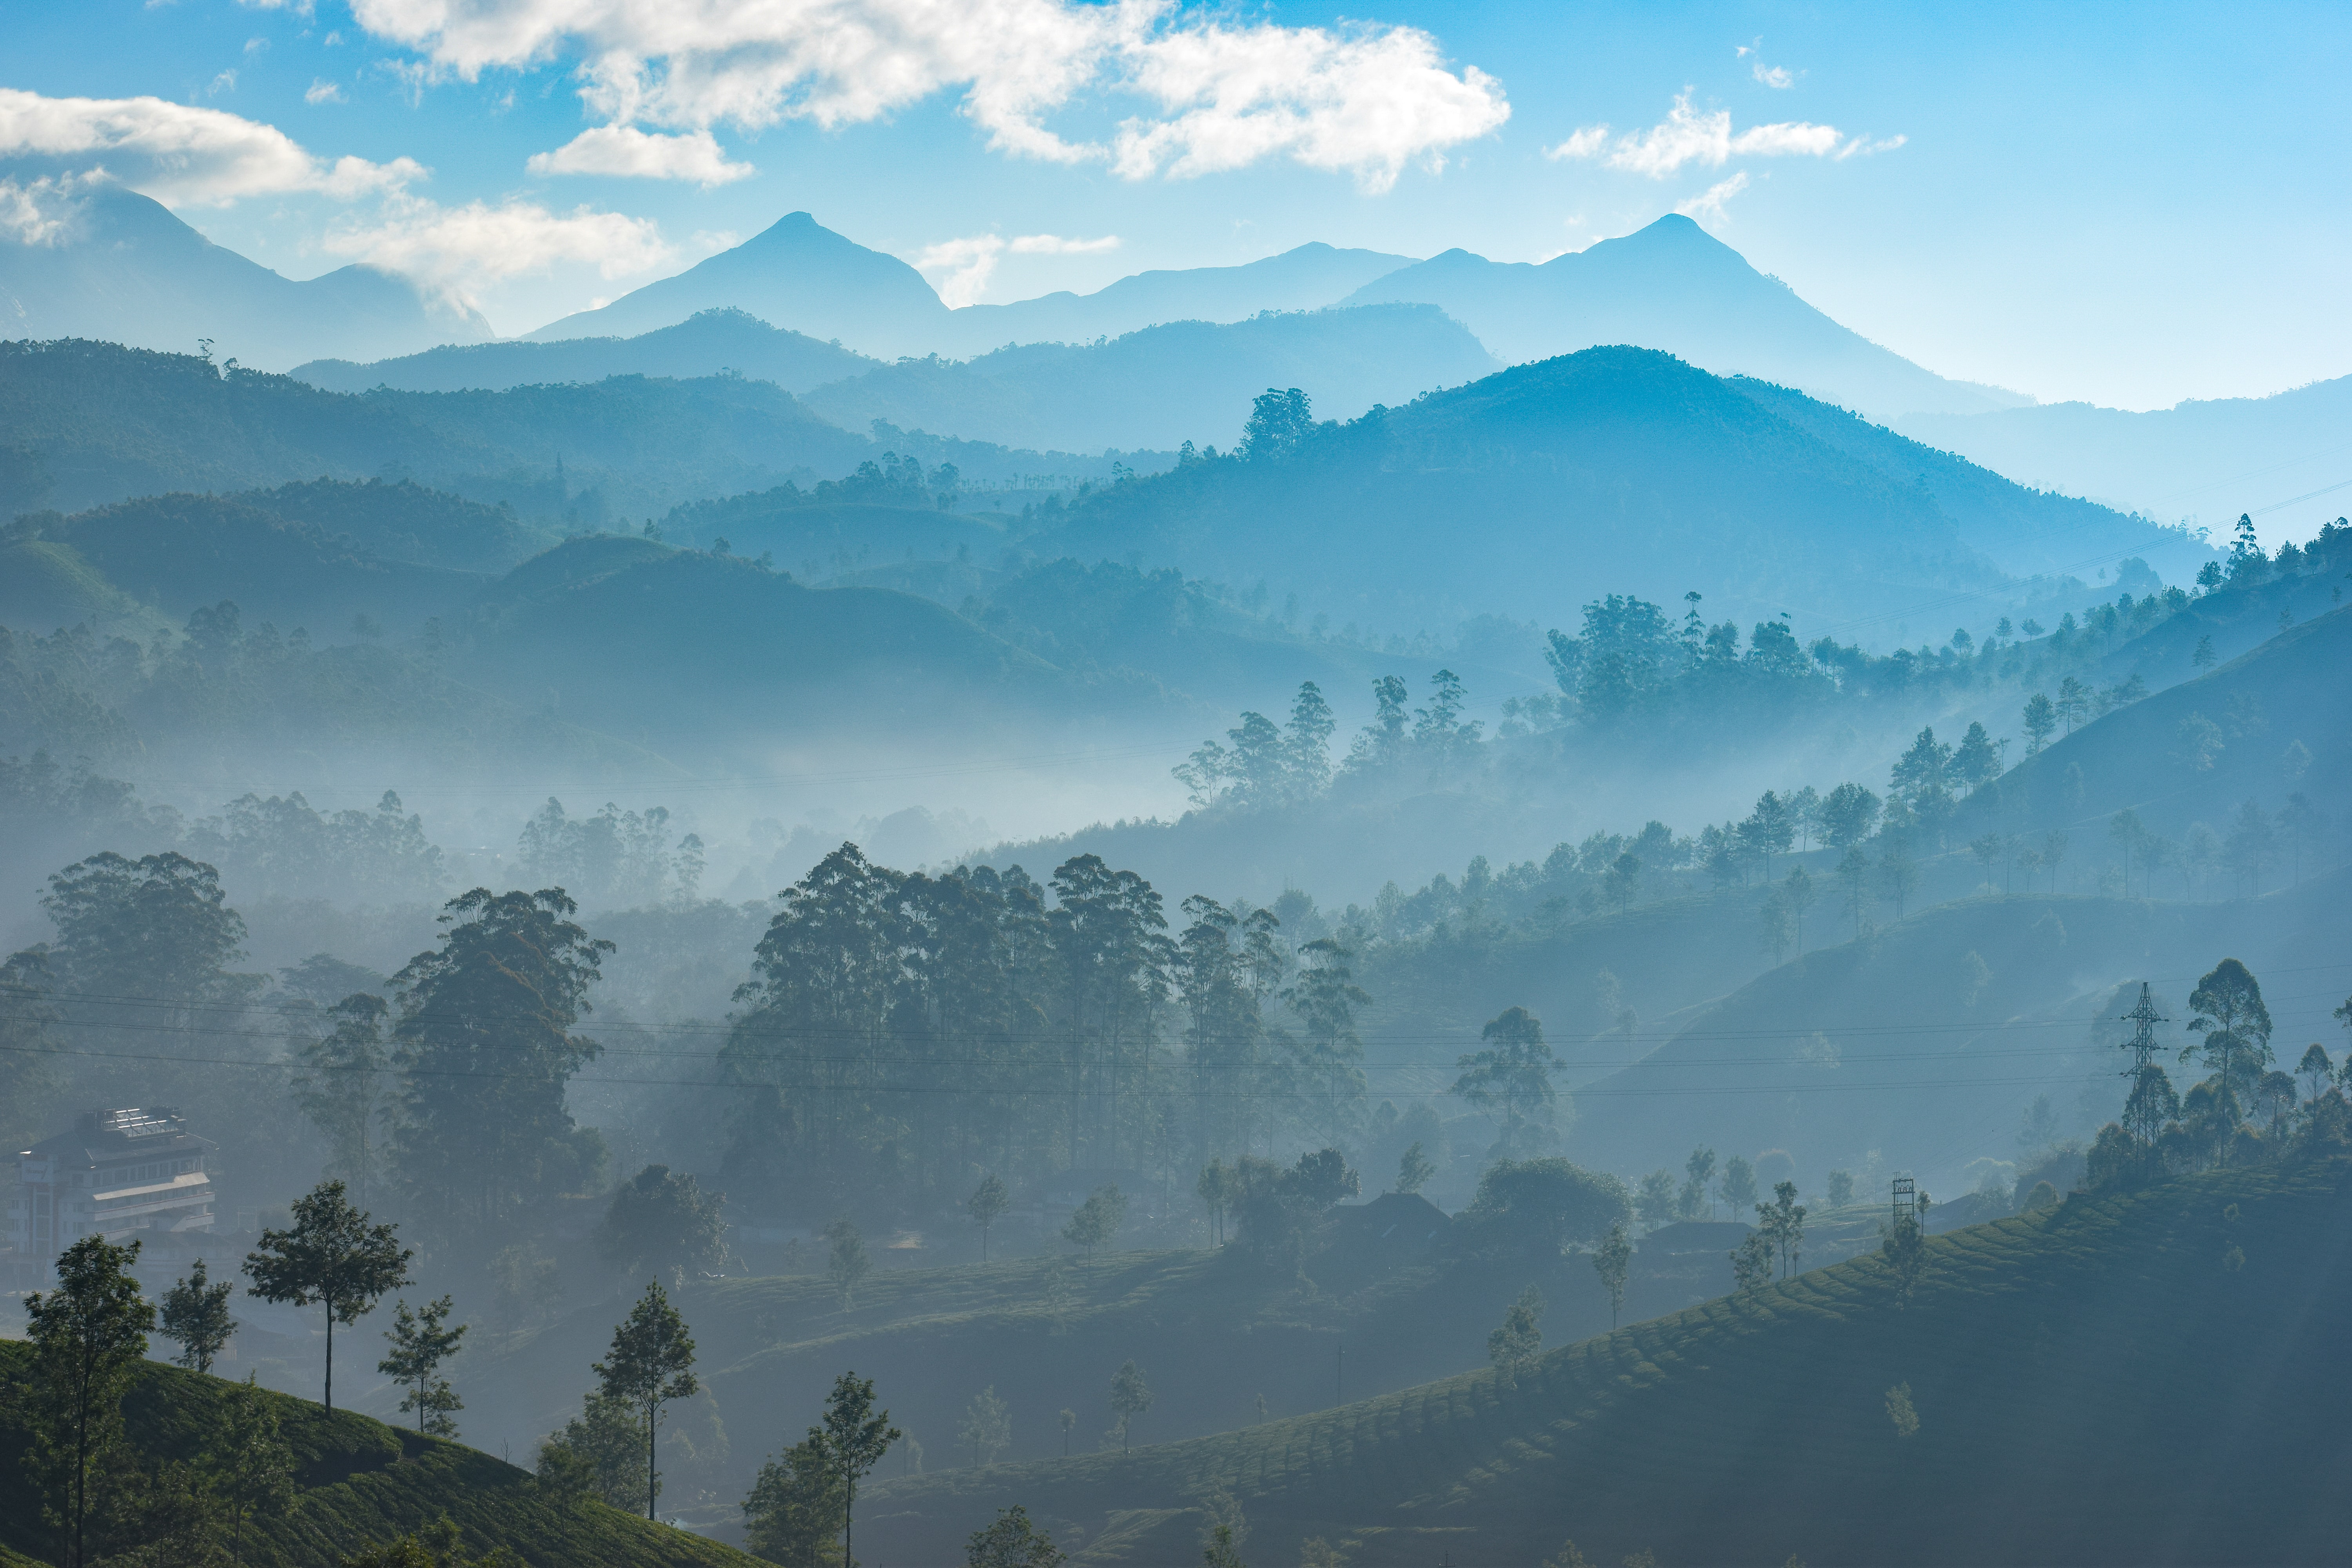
(118, 1173)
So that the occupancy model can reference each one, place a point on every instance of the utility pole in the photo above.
(2138, 1111)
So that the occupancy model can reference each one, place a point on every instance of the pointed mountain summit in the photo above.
(124, 270)
(795, 273)
(1674, 287)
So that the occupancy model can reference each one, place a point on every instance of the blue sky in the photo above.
(2127, 204)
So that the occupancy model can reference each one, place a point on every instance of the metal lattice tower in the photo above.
(2142, 1044)
(1907, 1198)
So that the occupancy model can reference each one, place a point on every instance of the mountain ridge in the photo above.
(127, 270)
(1673, 287)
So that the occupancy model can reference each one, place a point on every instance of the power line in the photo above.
(1080, 1091)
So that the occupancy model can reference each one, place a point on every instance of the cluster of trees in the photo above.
(2246, 1109)
(89, 1335)
(614, 859)
(903, 1035)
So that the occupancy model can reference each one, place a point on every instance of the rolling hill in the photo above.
(128, 271)
(708, 342)
(1610, 470)
(1673, 287)
(1162, 385)
(1757, 1428)
(716, 656)
(2194, 750)
(359, 1483)
(933, 1337)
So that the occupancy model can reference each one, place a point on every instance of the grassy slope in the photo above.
(608, 625)
(360, 1481)
(1945, 1057)
(1212, 1331)
(2093, 1386)
(2290, 687)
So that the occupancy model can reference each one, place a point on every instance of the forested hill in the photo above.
(2128, 1378)
(1545, 486)
(82, 424)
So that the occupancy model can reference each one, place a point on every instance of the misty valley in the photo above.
(1408, 913)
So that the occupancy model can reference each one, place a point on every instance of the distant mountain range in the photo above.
(1153, 388)
(84, 424)
(1671, 287)
(1164, 385)
(127, 271)
(1674, 287)
(2287, 457)
(710, 342)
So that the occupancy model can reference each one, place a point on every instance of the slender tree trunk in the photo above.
(653, 1478)
(331, 1355)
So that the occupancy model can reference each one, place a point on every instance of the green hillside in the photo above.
(1614, 469)
(359, 1483)
(1922, 1045)
(2128, 1379)
(2195, 751)
(181, 552)
(603, 629)
(1215, 1331)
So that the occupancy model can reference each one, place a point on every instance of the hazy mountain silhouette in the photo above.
(800, 276)
(82, 424)
(126, 270)
(2206, 461)
(1162, 385)
(708, 342)
(1305, 278)
(794, 274)
(1673, 286)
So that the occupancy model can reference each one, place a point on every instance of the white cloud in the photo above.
(1710, 202)
(180, 155)
(959, 269)
(458, 251)
(1773, 76)
(1368, 100)
(1686, 137)
(38, 211)
(624, 149)
(322, 91)
(224, 82)
(1863, 147)
(1367, 103)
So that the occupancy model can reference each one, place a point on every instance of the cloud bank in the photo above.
(1366, 100)
(180, 155)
